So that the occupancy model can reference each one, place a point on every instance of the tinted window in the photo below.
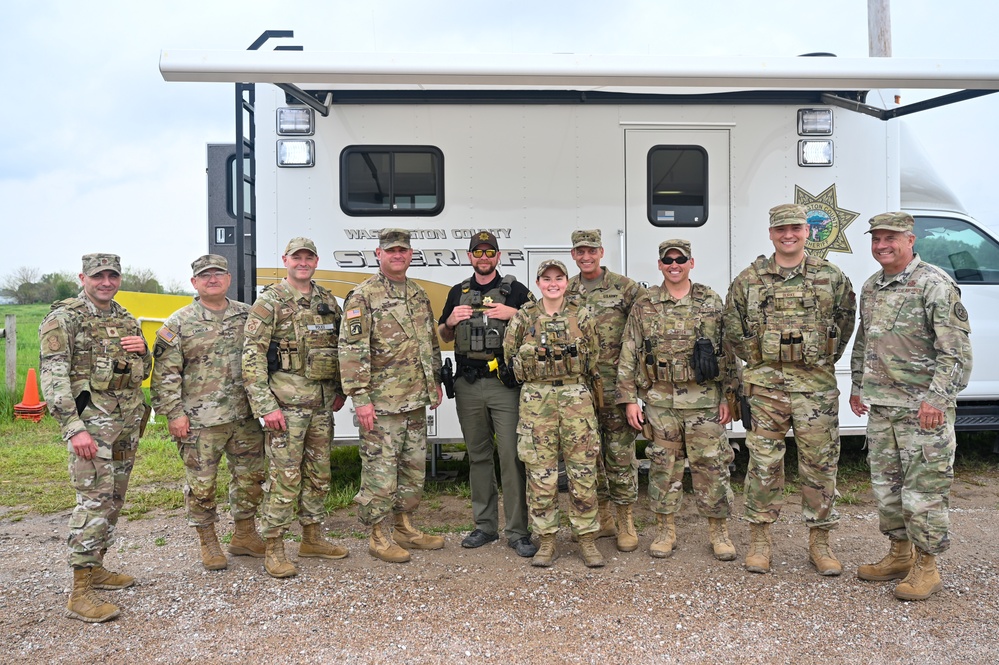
(678, 185)
(391, 180)
(967, 254)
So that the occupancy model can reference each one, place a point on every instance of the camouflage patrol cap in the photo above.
(549, 263)
(682, 246)
(586, 239)
(208, 261)
(788, 213)
(389, 238)
(891, 221)
(483, 238)
(95, 263)
(298, 243)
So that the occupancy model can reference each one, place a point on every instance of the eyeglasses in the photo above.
(212, 274)
(477, 253)
(669, 260)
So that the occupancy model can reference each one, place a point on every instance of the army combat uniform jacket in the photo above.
(198, 366)
(912, 345)
(290, 349)
(790, 325)
(389, 353)
(658, 345)
(83, 365)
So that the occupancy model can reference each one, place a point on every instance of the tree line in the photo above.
(26, 286)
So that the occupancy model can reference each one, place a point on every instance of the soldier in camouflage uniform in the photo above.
(391, 362)
(552, 346)
(608, 297)
(291, 376)
(911, 359)
(93, 361)
(671, 358)
(789, 318)
(197, 384)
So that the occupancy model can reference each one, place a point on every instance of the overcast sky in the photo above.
(98, 153)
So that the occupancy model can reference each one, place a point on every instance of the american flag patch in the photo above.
(167, 334)
(353, 314)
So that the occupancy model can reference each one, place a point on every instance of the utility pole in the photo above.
(879, 28)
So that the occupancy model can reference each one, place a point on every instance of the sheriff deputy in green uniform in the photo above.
(292, 378)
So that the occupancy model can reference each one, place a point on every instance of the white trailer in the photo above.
(338, 146)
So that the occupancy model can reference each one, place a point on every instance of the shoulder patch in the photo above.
(262, 310)
(48, 325)
(354, 313)
(252, 325)
(166, 335)
(960, 313)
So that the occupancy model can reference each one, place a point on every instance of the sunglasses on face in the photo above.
(668, 260)
(477, 253)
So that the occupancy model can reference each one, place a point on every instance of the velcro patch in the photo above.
(252, 325)
(960, 312)
(262, 310)
(167, 335)
(353, 314)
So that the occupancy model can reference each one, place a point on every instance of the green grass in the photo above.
(29, 317)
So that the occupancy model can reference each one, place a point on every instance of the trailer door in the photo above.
(677, 186)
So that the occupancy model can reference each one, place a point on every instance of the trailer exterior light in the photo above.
(815, 152)
(815, 122)
(295, 122)
(296, 153)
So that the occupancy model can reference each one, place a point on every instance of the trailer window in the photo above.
(678, 185)
(963, 251)
(391, 180)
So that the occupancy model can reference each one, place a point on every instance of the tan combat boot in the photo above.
(547, 551)
(84, 604)
(411, 538)
(821, 555)
(605, 519)
(212, 557)
(275, 562)
(627, 536)
(923, 579)
(721, 545)
(895, 566)
(246, 541)
(588, 550)
(381, 546)
(314, 545)
(758, 556)
(102, 578)
(665, 541)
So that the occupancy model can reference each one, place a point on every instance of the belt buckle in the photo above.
(558, 382)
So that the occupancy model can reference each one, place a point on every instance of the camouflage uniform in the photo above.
(197, 374)
(681, 412)
(812, 308)
(912, 346)
(300, 333)
(608, 304)
(556, 412)
(81, 355)
(390, 358)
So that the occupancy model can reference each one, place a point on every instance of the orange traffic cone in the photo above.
(29, 408)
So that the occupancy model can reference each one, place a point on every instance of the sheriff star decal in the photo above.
(827, 222)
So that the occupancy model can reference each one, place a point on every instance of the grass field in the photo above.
(28, 319)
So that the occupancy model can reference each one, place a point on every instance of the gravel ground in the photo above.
(488, 605)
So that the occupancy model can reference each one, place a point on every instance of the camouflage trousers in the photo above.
(912, 470)
(707, 448)
(298, 470)
(100, 483)
(815, 418)
(617, 468)
(242, 442)
(393, 465)
(554, 420)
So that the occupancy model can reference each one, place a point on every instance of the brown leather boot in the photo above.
(314, 545)
(923, 579)
(84, 604)
(381, 546)
(588, 550)
(212, 557)
(411, 538)
(102, 578)
(758, 556)
(721, 544)
(627, 536)
(275, 562)
(821, 555)
(246, 540)
(895, 566)
(665, 541)
(547, 552)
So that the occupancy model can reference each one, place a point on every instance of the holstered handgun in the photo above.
(447, 378)
(273, 362)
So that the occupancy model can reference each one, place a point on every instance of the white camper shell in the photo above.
(338, 146)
